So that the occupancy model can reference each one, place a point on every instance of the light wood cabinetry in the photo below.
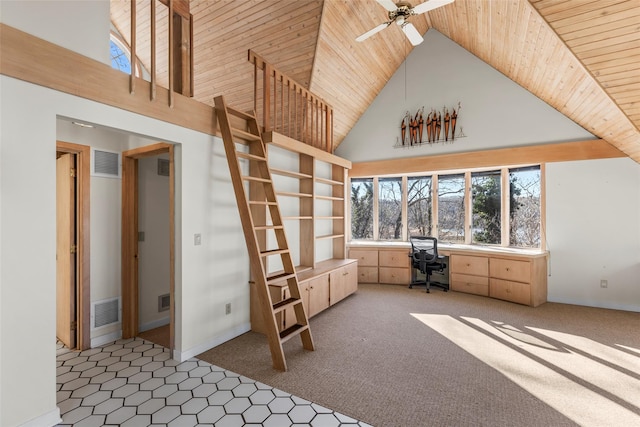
(367, 264)
(517, 278)
(343, 282)
(382, 265)
(311, 196)
(330, 282)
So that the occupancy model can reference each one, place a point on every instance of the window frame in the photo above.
(468, 206)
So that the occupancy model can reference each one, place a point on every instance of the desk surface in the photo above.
(446, 248)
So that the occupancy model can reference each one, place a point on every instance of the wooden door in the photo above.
(65, 250)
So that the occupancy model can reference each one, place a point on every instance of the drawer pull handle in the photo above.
(507, 268)
(468, 265)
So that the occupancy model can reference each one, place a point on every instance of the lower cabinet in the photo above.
(330, 282)
(520, 279)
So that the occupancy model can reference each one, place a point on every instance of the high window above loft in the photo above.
(119, 58)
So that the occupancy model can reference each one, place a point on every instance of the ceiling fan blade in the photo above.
(372, 31)
(412, 34)
(388, 4)
(430, 5)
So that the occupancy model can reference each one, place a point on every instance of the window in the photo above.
(524, 215)
(390, 208)
(485, 207)
(486, 199)
(362, 208)
(451, 208)
(419, 206)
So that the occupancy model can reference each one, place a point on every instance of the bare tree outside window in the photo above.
(451, 208)
(419, 206)
(487, 207)
(362, 208)
(390, 208)
(524, 220)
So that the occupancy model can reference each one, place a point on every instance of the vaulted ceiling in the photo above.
(580, 56)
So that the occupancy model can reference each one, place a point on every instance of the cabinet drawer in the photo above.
(509, 269)
(394, 258)
(394, 276)
(510, 291)
(470, 284)
(366, 258)
(367, 274)
(466, 264)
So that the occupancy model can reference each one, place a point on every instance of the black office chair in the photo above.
(425, 258)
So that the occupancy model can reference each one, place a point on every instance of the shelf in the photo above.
(328, 181)
(291, 174)
(296, 218)
(330, 198)
(330, 236)
(289, 194)
(329, 217)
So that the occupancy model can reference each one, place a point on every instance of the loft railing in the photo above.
(288, 108)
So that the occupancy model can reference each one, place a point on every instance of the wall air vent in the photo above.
(105, 164)
(163, 167)
(164, 302)
(105, 312)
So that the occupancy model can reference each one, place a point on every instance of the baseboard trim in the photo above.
(154, 324)
(622, 307)
(49, 419)
(214, 342)
(105, 339)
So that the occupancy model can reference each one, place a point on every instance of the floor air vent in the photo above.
(105, 312)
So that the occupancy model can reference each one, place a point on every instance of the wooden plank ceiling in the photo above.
(580, 56)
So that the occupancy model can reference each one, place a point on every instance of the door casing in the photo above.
(130, 290)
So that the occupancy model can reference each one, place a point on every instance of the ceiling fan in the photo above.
(400, 13)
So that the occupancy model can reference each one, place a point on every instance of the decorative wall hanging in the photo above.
(435, 126)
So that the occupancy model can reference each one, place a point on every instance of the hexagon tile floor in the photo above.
(132, 383)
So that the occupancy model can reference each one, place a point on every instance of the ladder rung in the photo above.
(285, 304)
(254, 178)
(262, 202)
(274, 252)
(247, 136)
(292, 331)
(268, 227)
(250, 156)
(240, 114)
(279, 277)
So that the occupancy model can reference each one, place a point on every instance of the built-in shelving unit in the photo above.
(310, 185)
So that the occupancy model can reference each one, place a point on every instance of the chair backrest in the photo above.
(427, 244)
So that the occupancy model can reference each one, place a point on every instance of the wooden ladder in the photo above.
(258, 252)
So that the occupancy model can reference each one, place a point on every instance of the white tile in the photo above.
(137, 421)
(281, 405)
(91, 421)
(178, 398)
(277, 420)
(165, 415)
(86, 390)
(228, 383)
(152, 384)
(204, 390)
(109, 406)
(137, 398)
(151, 406)
(77, 414)
(195, 405)
(325, 420)
(231, 421)
(213, 377)
(125, 390)
(220, 397)
(237, 405)
(210, 415)
(165, 390)
(184, 421)
(256, 414)
(119, 416)
(302, 414)
(244, 390)
(262, 397)
(96, 398)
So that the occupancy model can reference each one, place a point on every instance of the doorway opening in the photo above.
(137, 279)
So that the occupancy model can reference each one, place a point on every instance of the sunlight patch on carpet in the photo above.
(549, 370)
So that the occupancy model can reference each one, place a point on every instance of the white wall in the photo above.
(593, 207)
(593, 232)
(495, 113)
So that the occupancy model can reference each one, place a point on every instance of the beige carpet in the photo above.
(393, 356)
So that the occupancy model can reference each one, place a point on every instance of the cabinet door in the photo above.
(317, 297)
(350, 278)
(366, 258)
(466, 264)
(510, 291)
(343, 282)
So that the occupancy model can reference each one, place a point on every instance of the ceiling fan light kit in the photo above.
(400, 13)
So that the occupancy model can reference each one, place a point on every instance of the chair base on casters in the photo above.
(429, 284)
